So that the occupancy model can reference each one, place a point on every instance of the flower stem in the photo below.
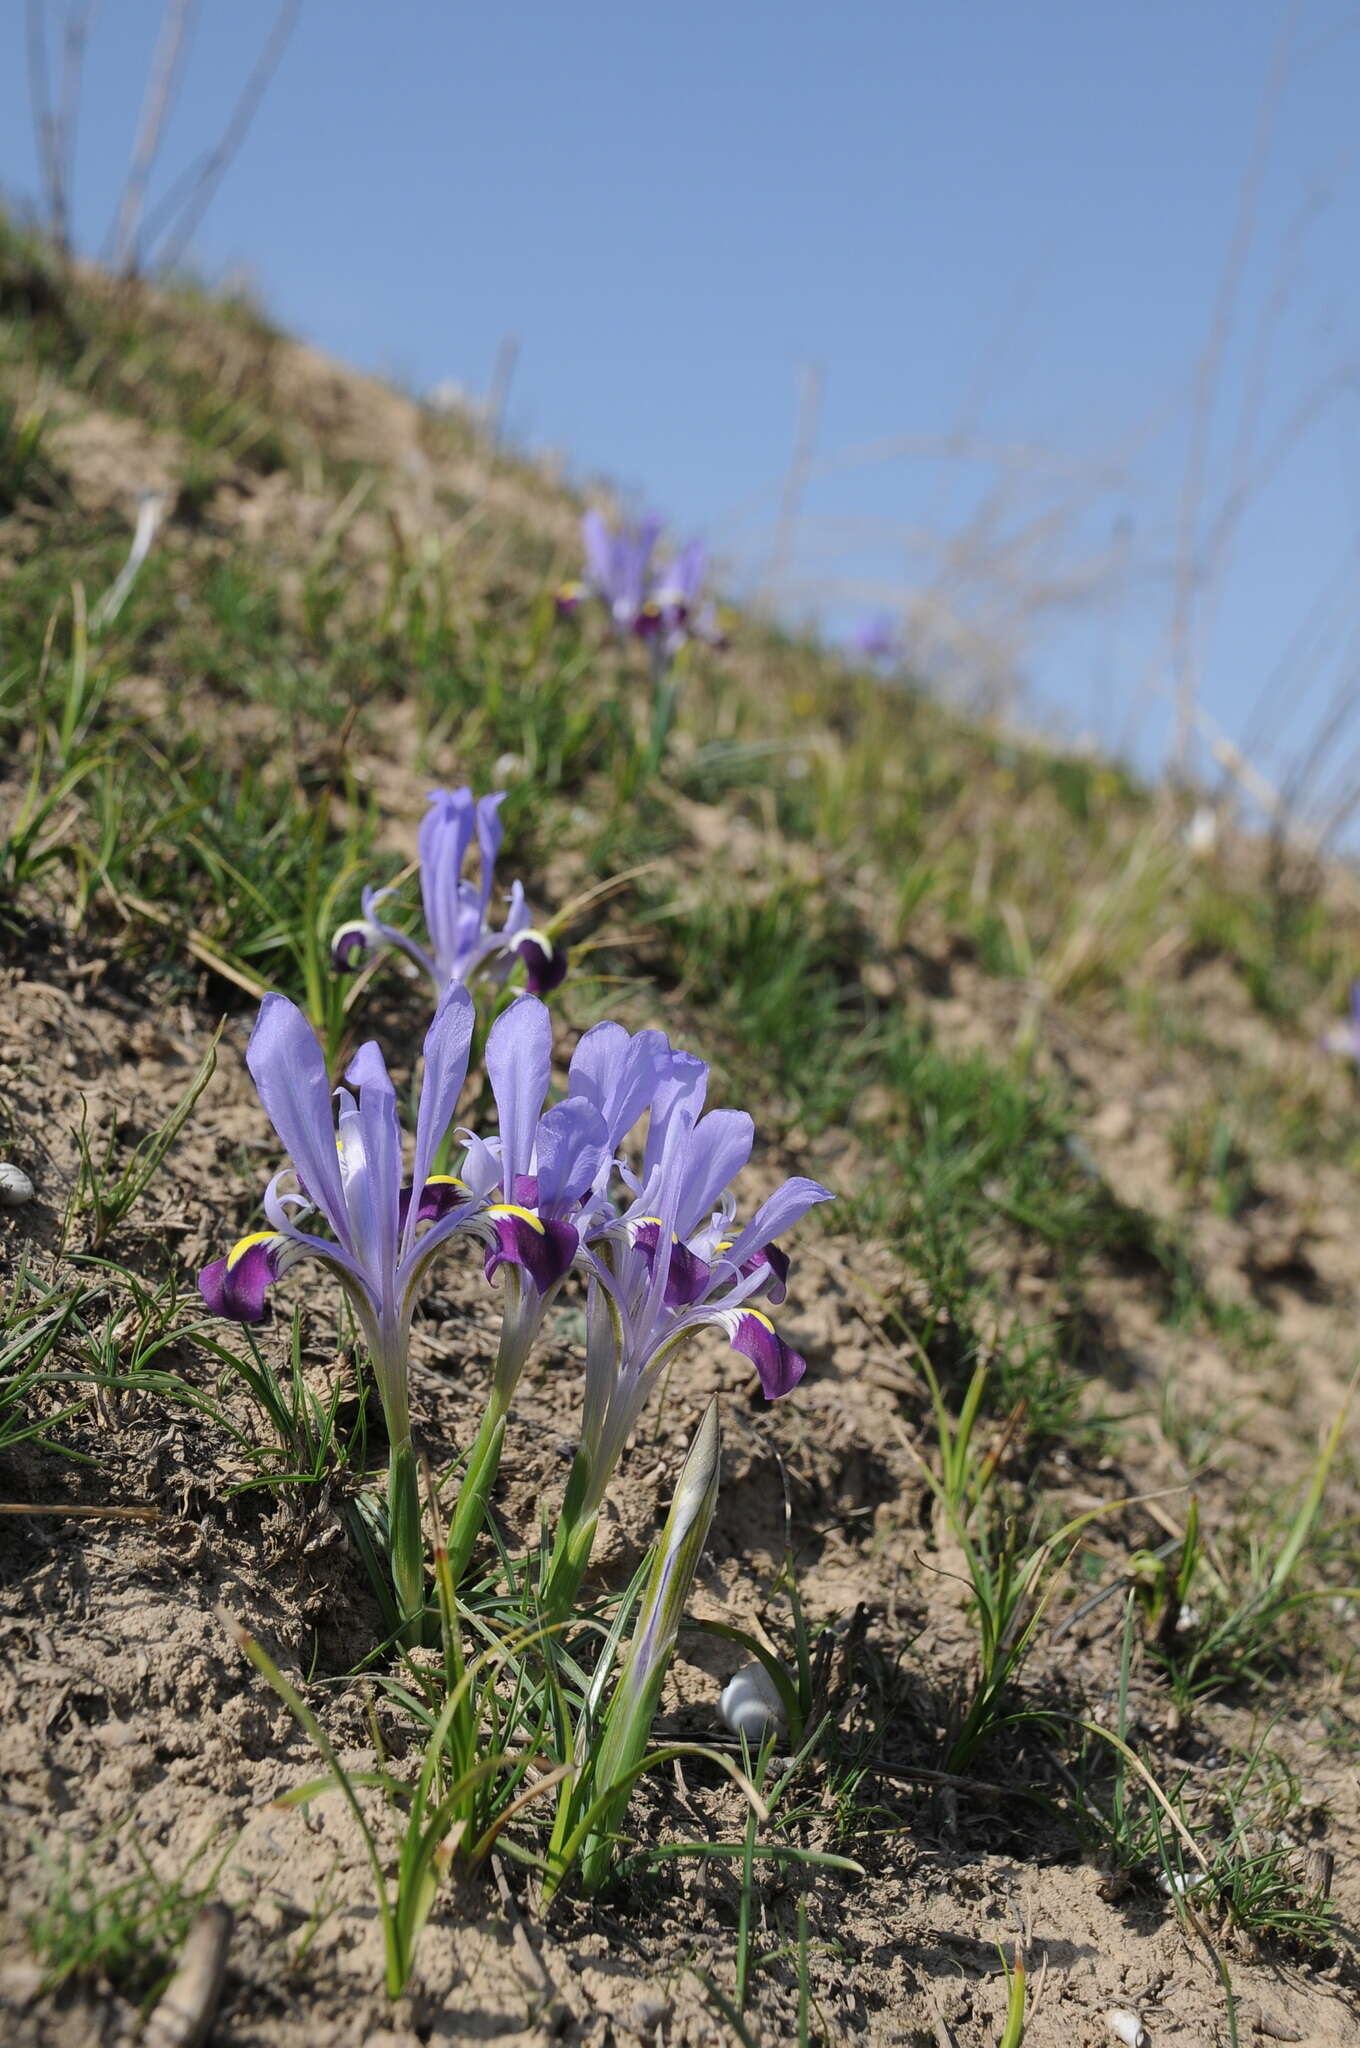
(479, 1474)
(405, 1546)
(572, 1545)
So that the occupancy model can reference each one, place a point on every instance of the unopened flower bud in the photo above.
(750, 1704)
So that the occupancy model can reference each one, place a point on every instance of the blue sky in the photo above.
(994, 229)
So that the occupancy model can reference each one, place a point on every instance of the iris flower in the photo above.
(462, 938)
(876, 639)
(1345, 1037)
(662, 605)
(534, 1186)
(618, 566)
(678, 604)
(542, 1184)
(346, 1173)
(671, 1262)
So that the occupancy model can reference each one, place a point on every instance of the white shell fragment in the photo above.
(15, 1186)
(750, 1704)
(1127, 2027)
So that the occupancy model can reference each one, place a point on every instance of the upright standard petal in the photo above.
(490, 833)
(719, 1146)
(679, 583)
(288, 1068)
(664, 1186)
(572, 1146)
(373, 1181)
(681, 1088)
(597, 546)
(519, 1064)
(446, 1060)
(445, 835)
(618, 1072)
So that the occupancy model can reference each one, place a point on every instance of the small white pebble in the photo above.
(1126, 2026)
(750, 1704)
(15, 1186)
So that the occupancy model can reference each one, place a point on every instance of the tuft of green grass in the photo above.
(103, 1196)
(125, 1932)
(779, 975)
(35, 1317)
(27, 473)
(1229, 1622)
(1228, 1848)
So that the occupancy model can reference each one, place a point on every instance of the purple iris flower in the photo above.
(351, 1178)
(535, 1181)
(1345, 1037)
(462, 938)
(619, 566)
(541, 1184)
(675, 1260)
(663, 605)
(876, 639)
(384, 1232)
(677, 597)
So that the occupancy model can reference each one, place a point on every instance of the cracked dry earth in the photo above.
(128, 1718)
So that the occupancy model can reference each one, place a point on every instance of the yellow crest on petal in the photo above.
(514, 1209)
(243, 1244)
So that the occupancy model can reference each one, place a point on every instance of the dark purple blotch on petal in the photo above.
(437, 1197)
(688, 1276)
(545, 965)
(349, 948)
(237, 1288)
(779, 1368)
(544, 1253)
(778, 1263)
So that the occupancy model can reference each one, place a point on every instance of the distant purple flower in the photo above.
(876, 639)
(462, 939)
(677, 596)
(619, 566)
(662, 605)
(1344, 1037)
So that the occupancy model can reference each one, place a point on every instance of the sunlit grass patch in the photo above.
(779, 971)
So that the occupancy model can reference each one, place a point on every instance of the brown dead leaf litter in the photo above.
(127, 1717)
